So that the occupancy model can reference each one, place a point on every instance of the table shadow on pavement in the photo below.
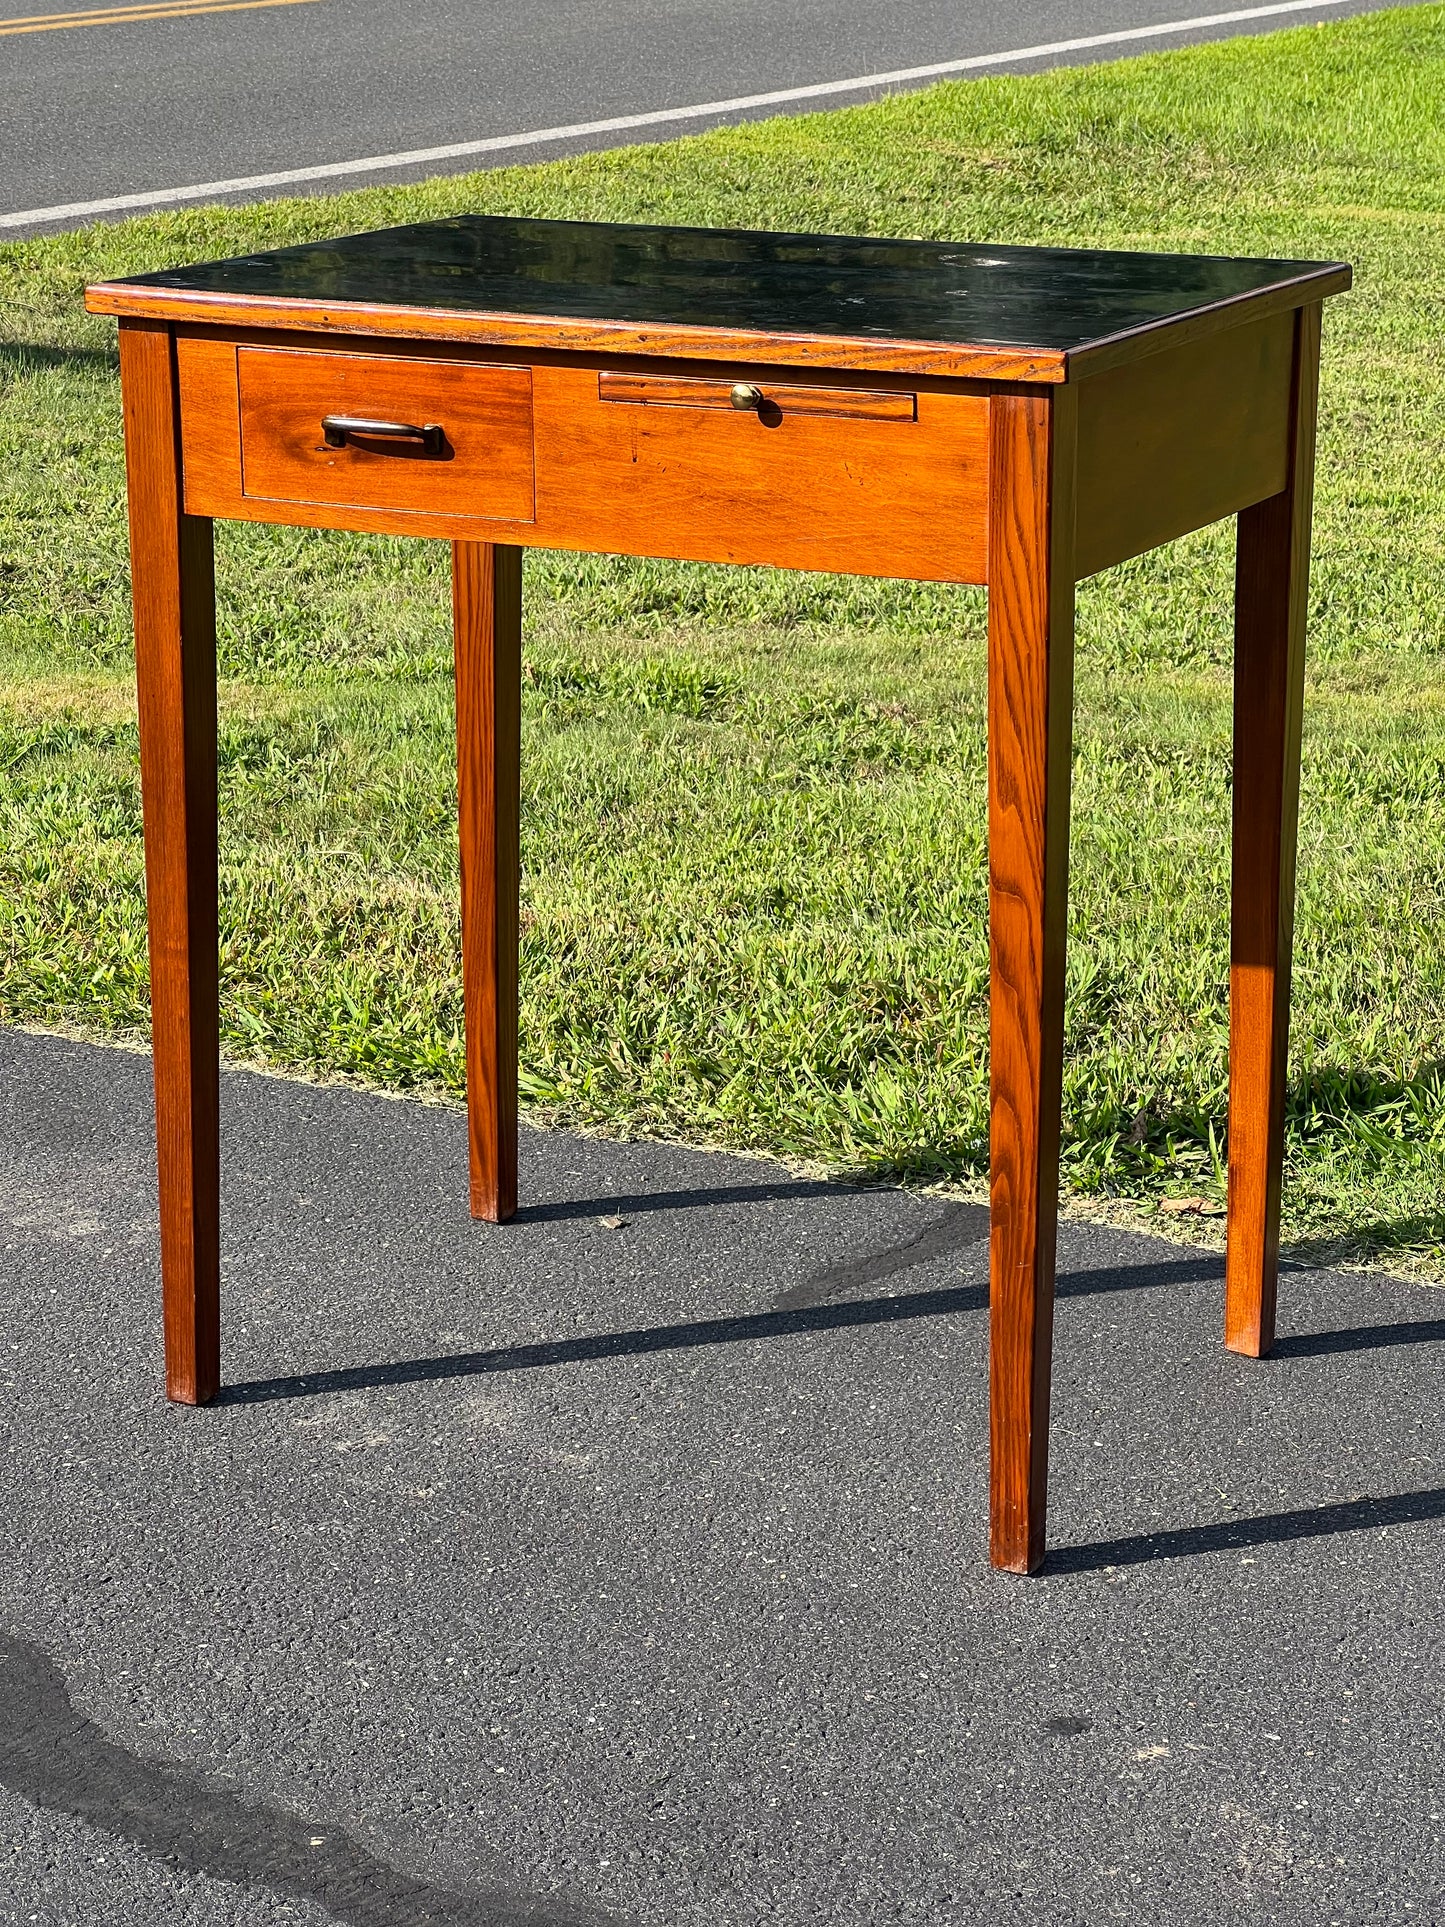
(628, 1562)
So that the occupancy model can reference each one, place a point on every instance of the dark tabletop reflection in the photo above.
(1052, 298)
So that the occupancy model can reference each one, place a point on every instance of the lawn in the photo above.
(753, 815)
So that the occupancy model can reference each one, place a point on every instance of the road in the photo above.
(140, 100)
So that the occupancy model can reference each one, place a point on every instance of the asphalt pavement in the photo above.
(155, 95)
(627, 1564)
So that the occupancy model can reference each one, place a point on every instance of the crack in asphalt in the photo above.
(59, 1760)
(964, 1225)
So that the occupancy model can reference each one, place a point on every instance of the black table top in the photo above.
(1050, 299)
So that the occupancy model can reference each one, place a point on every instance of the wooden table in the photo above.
(1019, 417)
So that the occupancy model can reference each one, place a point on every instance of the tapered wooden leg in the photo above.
(1030, 709)
(1270, 598)
(172, 587)
(487, 606)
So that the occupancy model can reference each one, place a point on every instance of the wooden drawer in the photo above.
(888, 478)
(884, 476)
(475, 461)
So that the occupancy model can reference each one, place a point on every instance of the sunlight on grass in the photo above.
(753, 819)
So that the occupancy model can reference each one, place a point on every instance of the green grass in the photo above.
(753, 802)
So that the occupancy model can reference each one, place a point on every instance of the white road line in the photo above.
(622, 123)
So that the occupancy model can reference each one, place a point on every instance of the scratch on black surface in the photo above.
(59, 1760)
(965, 1224)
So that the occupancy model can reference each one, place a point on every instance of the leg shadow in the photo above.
(1270, 1528)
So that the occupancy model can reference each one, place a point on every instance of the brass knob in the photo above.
(747, 395)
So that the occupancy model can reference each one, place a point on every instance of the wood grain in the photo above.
(172, 588)
(1030, 719)
(873, 497)
(487, 616)
(484, 409)
(780, 347)
(786, 398)
(804, 491)
(211, 409)
(1179, 439)
(1271, 599)
(865, 353)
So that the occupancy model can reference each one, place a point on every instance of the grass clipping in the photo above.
(754, 893)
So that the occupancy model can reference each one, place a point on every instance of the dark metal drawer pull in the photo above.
(337, 429)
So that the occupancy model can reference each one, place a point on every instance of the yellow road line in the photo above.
(120, 16)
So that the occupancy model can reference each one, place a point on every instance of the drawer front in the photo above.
(878, 480)
(474, 458)
(885, 477)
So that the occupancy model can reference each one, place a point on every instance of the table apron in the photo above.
(1181, 439)
(873, 477)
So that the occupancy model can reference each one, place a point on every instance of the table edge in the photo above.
(1133, 344)
(685, 341)
(663, 341)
